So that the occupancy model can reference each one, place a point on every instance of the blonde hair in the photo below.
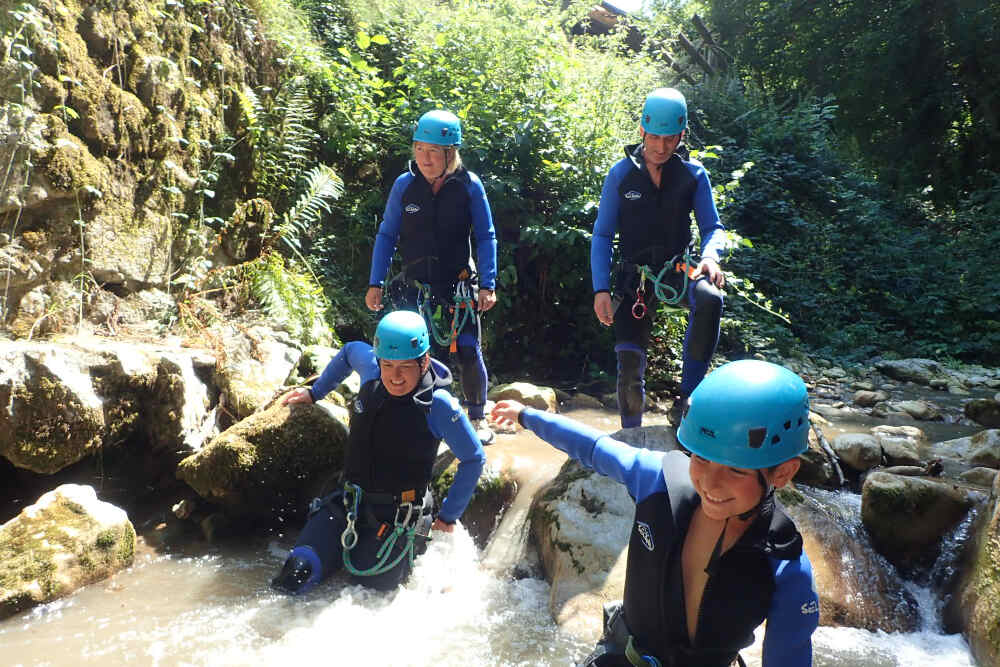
(452, 160)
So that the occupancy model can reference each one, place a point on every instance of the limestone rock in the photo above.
(258, 361)
(907, 516)
(920, 371)
(272, 463)
(921, 410)
(66, 540)
(541, 398)
(979, 476)
(867, 399)
(984, 411)
(858, 450)
(982, 448)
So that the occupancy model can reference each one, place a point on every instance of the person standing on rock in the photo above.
(712, 554)
(377, 523)
(432, 211)
(647, 201)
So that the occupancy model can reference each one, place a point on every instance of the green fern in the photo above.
(288, 296)
(322, 185)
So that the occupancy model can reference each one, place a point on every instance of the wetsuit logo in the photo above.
(412, 208)
(811, 607)
(632, 194)
(359, 407)
(645, 534)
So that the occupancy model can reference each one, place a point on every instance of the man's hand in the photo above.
(709, 267)
(487, 299)
(602, 307)
(300, 395)
(506, 412)
(442, 526)
(373, 298)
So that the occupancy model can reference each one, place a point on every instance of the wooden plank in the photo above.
(693, 52)
(703, 30)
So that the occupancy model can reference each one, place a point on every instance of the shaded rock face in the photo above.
(96, 188)
(857, 587)
(67, 401)
(66, 540)
(975, 607)
(907, 516)
(272, 463)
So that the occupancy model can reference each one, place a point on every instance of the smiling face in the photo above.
(725, 491)
(400, 377)
(431, 160)
(658, 148)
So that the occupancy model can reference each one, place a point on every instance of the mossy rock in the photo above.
(64, 541)
(268, 466)
(494, 493)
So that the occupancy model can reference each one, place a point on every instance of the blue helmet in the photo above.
(665, 112)
(747, 414)
(401, 334)
(439, 127)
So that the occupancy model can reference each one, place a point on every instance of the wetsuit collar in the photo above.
(437, 377)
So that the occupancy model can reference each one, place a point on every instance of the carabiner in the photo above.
(639, 307)
(349, 538)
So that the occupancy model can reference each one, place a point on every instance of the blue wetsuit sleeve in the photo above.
(388, 231)
(605, 228)
(486, 237)
(355, 356)
(793, 616)
(638, 469)
(447, 421)
(713, 233)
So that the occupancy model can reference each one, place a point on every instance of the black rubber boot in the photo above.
(293, 576)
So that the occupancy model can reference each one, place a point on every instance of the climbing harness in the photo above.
(666, 293)
(404, 524)
(462, 308)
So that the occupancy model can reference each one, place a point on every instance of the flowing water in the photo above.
(212, 606)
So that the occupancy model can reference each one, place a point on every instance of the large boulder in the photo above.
(66, 540)
(67, 400)
(984, 411)
(920, 371)
(858, 450)
(541, 398)
(270, 465)
(974, 609)
(981, 449)
(907, 516)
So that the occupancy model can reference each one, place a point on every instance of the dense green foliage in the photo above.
(915, 80)
(830, 255)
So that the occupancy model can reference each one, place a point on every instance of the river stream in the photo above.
(211, 605)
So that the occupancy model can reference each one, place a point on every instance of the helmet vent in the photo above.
(776, 439)
(757, 436)
(788, 425)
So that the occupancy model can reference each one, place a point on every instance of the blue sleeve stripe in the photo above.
(605, 228)
(713, 233)
(486, 238)
(447, 421)
(388, 231)
(793, 616)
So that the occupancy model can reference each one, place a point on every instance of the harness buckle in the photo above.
(409, 514)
